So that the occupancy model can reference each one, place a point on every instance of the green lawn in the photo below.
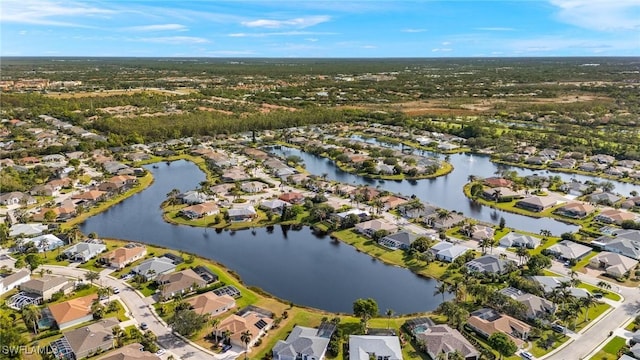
(610, 350)
(594, 312)
(593, 289)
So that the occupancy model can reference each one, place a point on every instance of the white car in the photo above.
(160, 352)
(526, 355)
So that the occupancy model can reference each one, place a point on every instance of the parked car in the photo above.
(144, 326)
(226, 348)
(526, 355)
(558, 328)
(116, 290)
(160, 352)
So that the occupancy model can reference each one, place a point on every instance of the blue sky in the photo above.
(309, 28)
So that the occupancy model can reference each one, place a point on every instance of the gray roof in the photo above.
(443, 339)
(302, 340)
(92, 336)
(86, 250)
(360, 346)
(159, 266)
(27, 229)
(403, 237)
(488, 264)
(12, 278)
(536, 306)
(517, 239)
(45, 283)
(569, 249)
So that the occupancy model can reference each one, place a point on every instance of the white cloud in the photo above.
(561, 45)
(312, 39)
(174, 40)
(369, 47)
(299, 23)
(231, 53)
(45, 12)
(495, 29)
(601, 15)
(413, 30)
(282, 33)
(158, 27)
(441, 50)
(445, 43)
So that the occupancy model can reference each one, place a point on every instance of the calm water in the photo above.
(293, 265)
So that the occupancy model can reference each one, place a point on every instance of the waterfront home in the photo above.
(221, 188)
(275, 205)
(490, 264)
(500, 194)
(392, 202)
(133, 351)
(384, 347)
(16, 198)
(255, 322)
(89, 198)
(486, 322)
(118, 184)
(514, 239)
(535, 306)
(495, 182)
(304, 343)
(361, 214)
(563, 164)
(630, 202)
(73, 312)
(479, 232)
(46, 242)
(576, 210)
(114, 167)
(603, 159)
(448, 252)
(569, 250)
(83, 251)
(420, 210)
(179, 283)
(369, 228)
(86, 341)
(605, 198)
(210, 303)
(442, 339)
(613, 264)
(574, 188)
(200, 210)
(46, 286)
(123, 256)
(622, 241)
(438, 223)
(399, 240)
(150, 269)
(536, 203)
(615, 216)
(245, 213)
(192, 197)
(14, 280)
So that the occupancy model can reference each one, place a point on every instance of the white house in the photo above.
(84, 251)
(12, 281)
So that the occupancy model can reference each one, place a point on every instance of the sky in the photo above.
(314, 28)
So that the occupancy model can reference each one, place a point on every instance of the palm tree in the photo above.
(441, 288)
(496, 194)
(588, 302)
(215, 322)
(389, 314)
(118, 336)
(522, 253)
(245, 337)
(73, 233)
(31, 314)
(97, 309)
(92, 275)
(604, 285)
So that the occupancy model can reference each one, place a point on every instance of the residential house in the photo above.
(234, 174)
(497, 182)
(535, 306)
(361, 214)
(16, 198)
(448, 252)
(563, 164)
(245, 213)
(574, 188)
(150, 269)
(479, 232)
(490, 264)
(550, 283)
(114, 167)
(613, 264)
(304, 343)
(210, 303)
(292, 197)
(89, 198)
(536, 203)
(14, 280)
(274, 206)
(30, 229)
(631, 202)
(603, 159)
(369, 193)
(192, 197)
(118, 184)
(486, 322)
(133, 351)
(369, 228)
(399, 240)
(392, 202)
(64, 212)
(500, 194)
(438, 222)
(73, 312)
(514, 239)
(46, 242)
(362, 347)
(413, 212)
(576, 210)
(200, 210)
(615, 216)
(123, 256)
(179, 283)
(46, 286)
(252, 186)
(623, 241)
(84, 251)
(45, 190)
(86, 341)
(442, 339)
(222, 188)
(255, 322)
(605, 198)
(569, 250)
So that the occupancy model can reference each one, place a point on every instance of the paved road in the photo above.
(140, 309)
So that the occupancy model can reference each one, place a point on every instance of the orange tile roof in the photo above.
(73, 309)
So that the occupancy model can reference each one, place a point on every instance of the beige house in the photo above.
(86, 341)
(180, 282)
(613, 264)
(210, 303)
(130, 352)
(370, 227)
(47, 286)
(121, 257)
(487, 322)
(73, 312)
(257, 324)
